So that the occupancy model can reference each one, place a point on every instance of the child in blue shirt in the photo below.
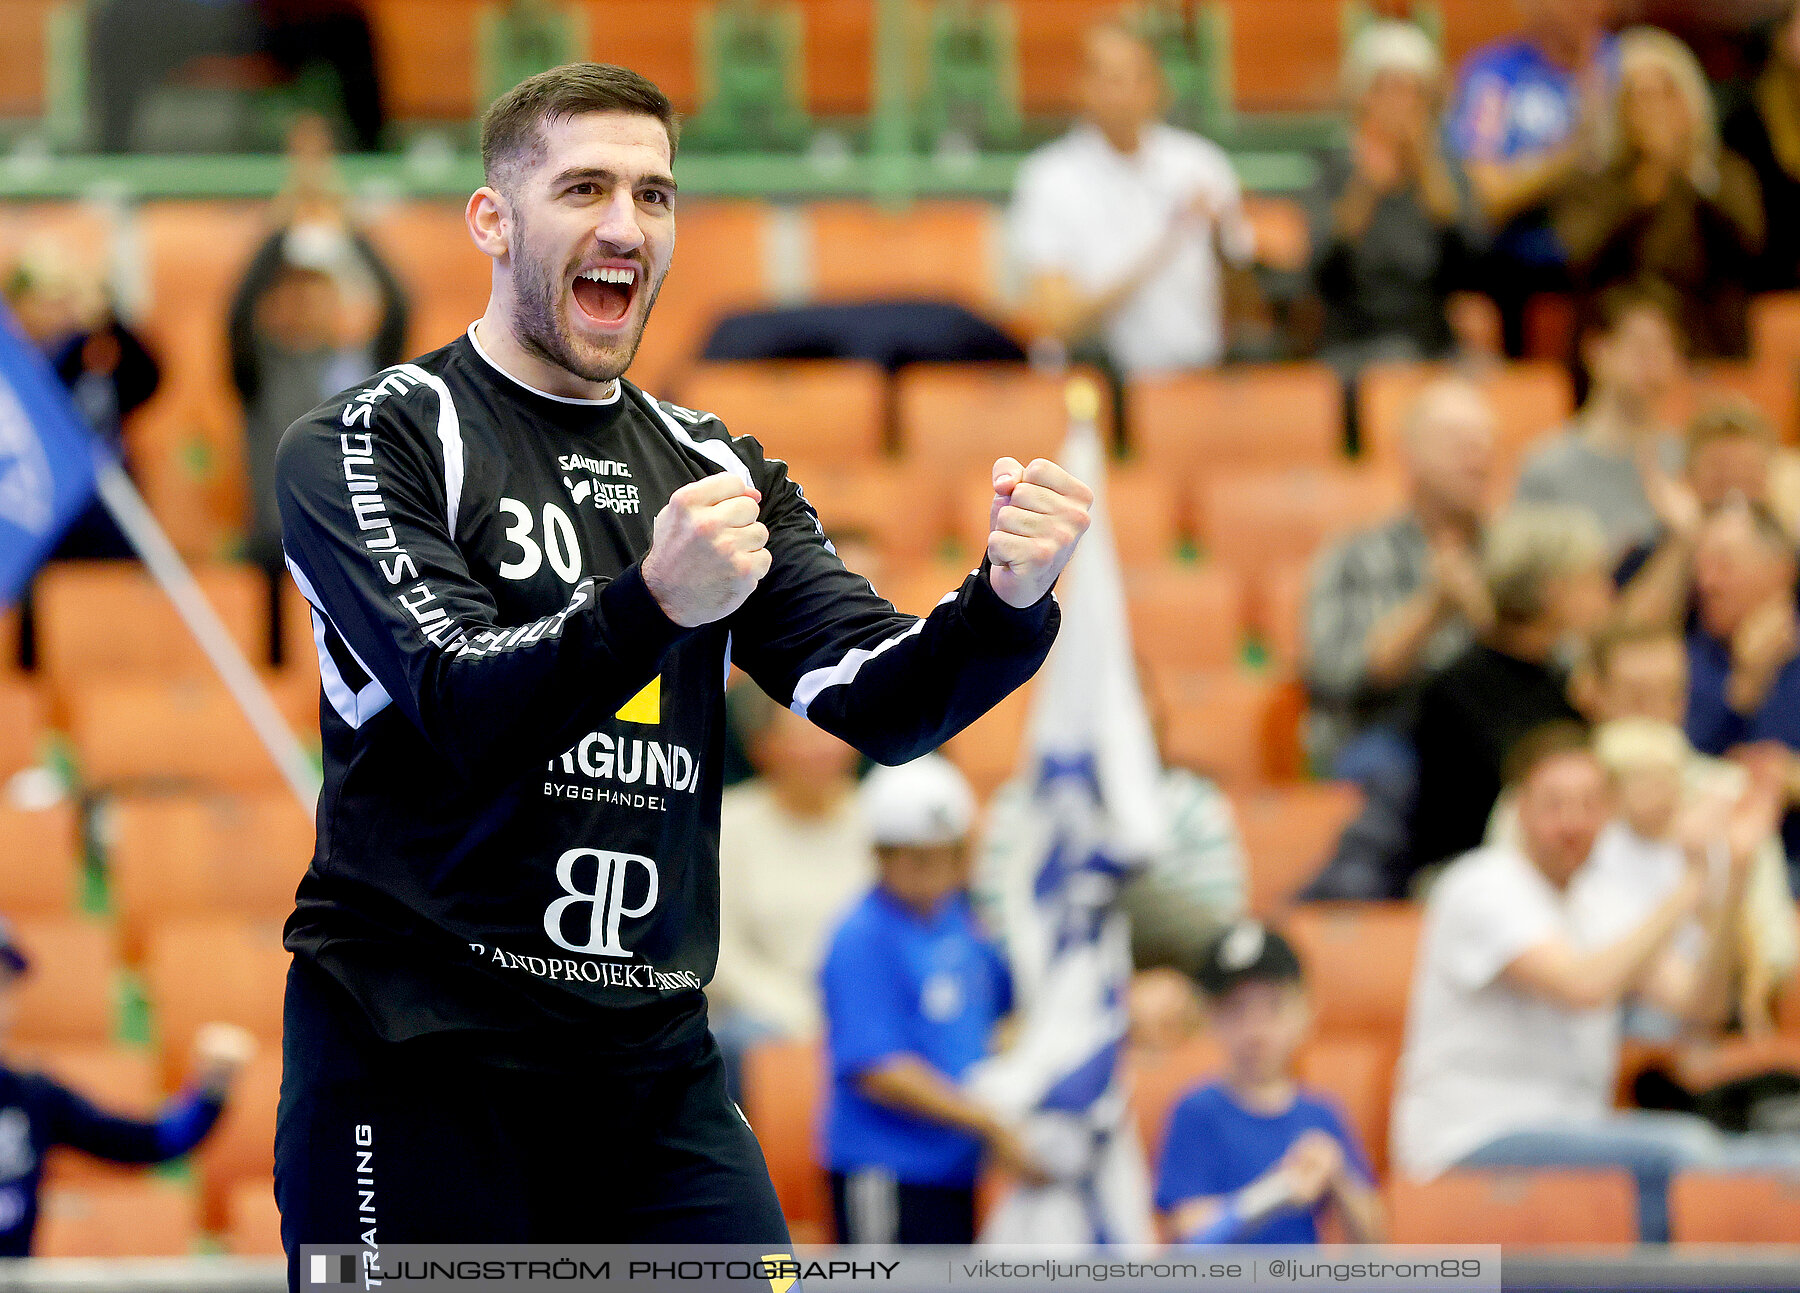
(913, 990)
(1254, 1158)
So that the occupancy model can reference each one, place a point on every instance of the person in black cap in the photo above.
(37, 1111)
(1254, 1157)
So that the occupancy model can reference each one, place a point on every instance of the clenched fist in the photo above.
(1038, 515)
(707, 550)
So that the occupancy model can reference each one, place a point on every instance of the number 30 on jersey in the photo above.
(558, 543)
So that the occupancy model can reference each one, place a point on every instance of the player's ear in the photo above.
(488, 220)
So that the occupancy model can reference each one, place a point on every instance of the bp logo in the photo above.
(27, 490)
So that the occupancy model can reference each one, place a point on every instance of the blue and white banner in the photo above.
(1084, 818)
(48, 460)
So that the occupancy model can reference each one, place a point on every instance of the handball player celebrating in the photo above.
(528, 582)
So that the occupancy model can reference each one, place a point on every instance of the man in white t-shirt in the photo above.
(1120, 225)
(1512, 1035)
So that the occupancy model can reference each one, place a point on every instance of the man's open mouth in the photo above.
(604, 294)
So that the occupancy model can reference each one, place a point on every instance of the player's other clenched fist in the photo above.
(1038, 515)
(707, 550)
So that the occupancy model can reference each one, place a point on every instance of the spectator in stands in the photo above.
(1598, 461)
(1670, 206)
(290, 344)
(1255, 1157)
(1667, 794)
(1390, 607)
(793, 853)
(1765, 131)
(1525, 122)
(1121, 225)
(107, 367)
(913, 991)
(1527, 953)
(1546, 574)
(1394, 226)
(1744, 652)
(38, 1112)
(1730, 455)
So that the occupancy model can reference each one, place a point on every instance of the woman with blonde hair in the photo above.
(1671, 206)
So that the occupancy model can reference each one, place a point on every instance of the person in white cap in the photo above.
(913, 991)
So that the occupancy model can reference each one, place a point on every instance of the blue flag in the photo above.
(48, 458)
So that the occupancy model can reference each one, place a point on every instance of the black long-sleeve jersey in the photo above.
(518, 831)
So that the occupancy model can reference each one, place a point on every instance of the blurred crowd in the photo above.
(1571, 702)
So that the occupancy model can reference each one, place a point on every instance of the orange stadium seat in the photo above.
(1359, 962)
(1357, 1071)
(188, 732)
(241, 1149)
(1241, 729)
(68, 994)
(656, 37)
(23, 57)
(1775, 327)
(1186, 617)
(174, 856)
(721, 260)
(425, 56)
(204, 968)
(109, 619)
(782, 1094)
(1770, 384)
(1288, 832)
(9, 643)
(1550, 1208)
(446, 278)
(1530, 398)
(1285, 55)
(1733, 1208)
(991, 750)
(917, 587)
(196, 253)
(1142, 507)
(118, 1079)
(830, 412)
(1254, 415)
(937, 250)
(1156, 1085)
(1263, 520)
(39, 874)
(21, 724)
(1279, 612)
(144, 1217)
(253, 1222)
(958, 418)
(863, 498)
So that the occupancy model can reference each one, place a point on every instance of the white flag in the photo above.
(1084, 818)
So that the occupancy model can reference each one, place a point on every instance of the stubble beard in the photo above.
(541, 329)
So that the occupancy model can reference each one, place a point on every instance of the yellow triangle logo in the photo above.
(780, 1261)
(646, 706)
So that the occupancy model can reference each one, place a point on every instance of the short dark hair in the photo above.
(1622, 300)
(511, 128)
(1547, 741)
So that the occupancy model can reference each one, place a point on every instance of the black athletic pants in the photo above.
(418, 1143)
